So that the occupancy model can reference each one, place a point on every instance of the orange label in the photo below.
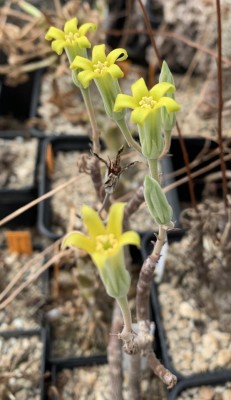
(50, 159)
(19, 242)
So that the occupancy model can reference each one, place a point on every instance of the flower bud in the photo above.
(168, 119)
(157, 202)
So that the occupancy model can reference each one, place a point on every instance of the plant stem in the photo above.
(91, 114)
(127, 135)
(114, 353)
(153, 167)
(123, 303)
(159, 244)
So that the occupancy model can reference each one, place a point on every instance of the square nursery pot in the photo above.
(23, 366)
(192, 332)
(202, 153)
(62, 362)
(19, 186)
(24, 314)
(202, 387)
(54, 212)
(50, 224)
(90, 379)
(78, 312)
(19, 103)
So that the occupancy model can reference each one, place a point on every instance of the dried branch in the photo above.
(220, 103)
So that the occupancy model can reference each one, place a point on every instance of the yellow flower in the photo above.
(71, 39)
(145, 102)
(105, 73)
(105, 246)
(100, 66)
(147, 105)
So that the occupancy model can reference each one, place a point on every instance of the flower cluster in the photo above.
(153, 110)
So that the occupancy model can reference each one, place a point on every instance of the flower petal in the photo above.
(99, 259)
(92, 221)
(81, 62)
(115, 219)
(78, 240)
(89, 26)
(54, 33)
(160, 89)
(85, 77)
(139, 115)
(98, 54)
(170, 104)
(115, 71)
(71, 26)
(83, 42)
(58, 46)
(139, 89)
(124, 101)
(117, 55)
(129, 237)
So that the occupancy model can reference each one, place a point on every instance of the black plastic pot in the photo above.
(20, 103)
(160, 335)
(136, 44)
(197, 381)
(62, 143)
(59, 366)
(194, 146)
(66, 143)
(11, 199)
(8, 335)
(54, 325)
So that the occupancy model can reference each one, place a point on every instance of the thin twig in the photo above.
(33, 277)
(150, 32)
(35, 260)
(220, 102)
(39, 199)
(182, 144)
(171, 34)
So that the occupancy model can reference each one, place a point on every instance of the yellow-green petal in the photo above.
(58, 46)
(92, 221)
(140, 114)
(98, 54)
(170, 104)
(160, 89)
(89, 26)
(117, 55)
(115, 71)
(85, 77)
(139, 89)
(98, 259)
(129, 237)
(71, 26)
(78, 240)
(83, 42)
(115, 219)
(124, 101)
(54, 33)
(81, 62)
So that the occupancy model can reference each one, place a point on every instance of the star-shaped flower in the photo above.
(71, 37)
(145, 102)
(100, 66)
(105, 246)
